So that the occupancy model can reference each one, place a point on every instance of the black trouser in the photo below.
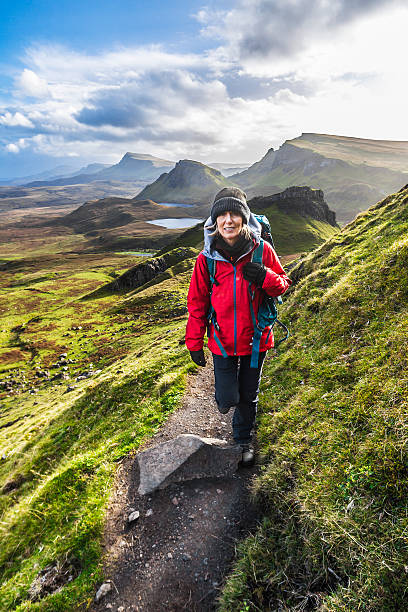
(237, 384)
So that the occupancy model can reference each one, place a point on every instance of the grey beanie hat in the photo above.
(232, 199)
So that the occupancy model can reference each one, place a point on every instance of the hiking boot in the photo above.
(248, 455)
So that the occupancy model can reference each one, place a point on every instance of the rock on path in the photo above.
(176, 555)
(184, 458)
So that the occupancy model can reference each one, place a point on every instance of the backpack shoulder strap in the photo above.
(212, 268)
(211, 316)
(257, 254)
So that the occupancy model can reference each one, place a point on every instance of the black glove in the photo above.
(254, 273)
(198, 357)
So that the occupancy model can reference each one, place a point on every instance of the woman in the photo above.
(231, 235)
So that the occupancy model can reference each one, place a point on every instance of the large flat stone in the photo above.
(185, 458)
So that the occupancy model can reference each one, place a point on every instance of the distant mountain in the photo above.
(259, 173)
(229, 169)
(354, 173)
(189, 182)
(58, 171)
(133, 167)
(90, 169)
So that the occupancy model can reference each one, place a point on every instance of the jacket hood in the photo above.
(254, 228)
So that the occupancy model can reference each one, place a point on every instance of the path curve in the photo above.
(176, 555)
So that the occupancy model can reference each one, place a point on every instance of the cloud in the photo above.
(146, 100)
(16, 119)
(12, 148)
(31, 84)
(276, 29)
(16, 147)
(280, 68)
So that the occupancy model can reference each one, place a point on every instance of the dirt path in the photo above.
(175, 556)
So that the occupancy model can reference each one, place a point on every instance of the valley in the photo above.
(93, 363)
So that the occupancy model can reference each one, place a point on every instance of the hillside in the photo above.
(112, 223)
(189, 182)
(85, 381)
(300, 220)
(333, 429)
(353, 173)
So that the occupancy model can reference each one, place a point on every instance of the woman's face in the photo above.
(229, 224)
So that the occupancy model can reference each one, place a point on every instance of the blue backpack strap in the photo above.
(212, 267)
(267, 313)
(211, 316)
(257, 254)
(256, 340)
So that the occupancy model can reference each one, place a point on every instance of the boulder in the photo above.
(185, 458)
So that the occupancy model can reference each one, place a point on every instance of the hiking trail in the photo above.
(175, 556)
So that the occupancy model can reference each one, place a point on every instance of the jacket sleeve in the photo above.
(276, 281)
(198, 302)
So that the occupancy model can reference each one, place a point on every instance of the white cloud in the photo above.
(31, 84)
(12, 148)
(16, 119)
(334, 79)
(16, 147)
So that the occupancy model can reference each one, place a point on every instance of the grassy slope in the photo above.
(333, 431)
(160, 191)
(59, 449)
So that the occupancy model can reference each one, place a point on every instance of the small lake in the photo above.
(173, 204)
(182, 223)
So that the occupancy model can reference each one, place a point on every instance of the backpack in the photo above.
(267, 312)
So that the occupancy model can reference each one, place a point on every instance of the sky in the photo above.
(87, 81)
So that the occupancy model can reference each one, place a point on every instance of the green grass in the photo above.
(60, 448)
(333, 431)
(294, 233)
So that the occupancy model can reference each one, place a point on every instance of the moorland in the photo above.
(91, 367)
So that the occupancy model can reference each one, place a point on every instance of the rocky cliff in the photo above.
(146, 271)
(304, 201)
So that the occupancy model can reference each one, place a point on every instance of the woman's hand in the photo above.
(254, 273)
(198, 357)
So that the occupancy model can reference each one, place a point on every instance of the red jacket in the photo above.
(230, 300)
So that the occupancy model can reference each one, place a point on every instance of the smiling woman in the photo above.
(230, 278)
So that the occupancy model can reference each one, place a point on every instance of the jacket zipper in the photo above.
(235, 310)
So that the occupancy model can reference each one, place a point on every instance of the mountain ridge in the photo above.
(131, 167)
(349, 187)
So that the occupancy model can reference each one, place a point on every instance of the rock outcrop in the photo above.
(303, 201)
(144, 272)
(139, 275)
(186, 457)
